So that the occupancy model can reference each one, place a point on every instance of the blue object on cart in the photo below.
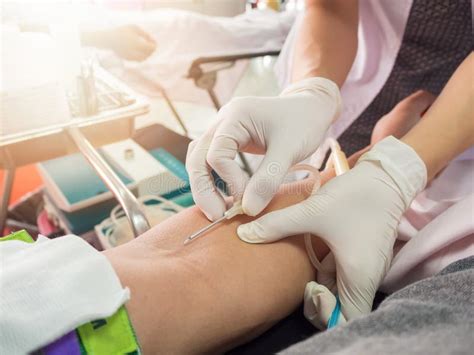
(81, 200)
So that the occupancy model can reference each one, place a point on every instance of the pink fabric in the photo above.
(381, 27)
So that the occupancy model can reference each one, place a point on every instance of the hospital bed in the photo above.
(203, 71)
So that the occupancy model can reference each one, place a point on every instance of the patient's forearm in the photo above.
(216, 291)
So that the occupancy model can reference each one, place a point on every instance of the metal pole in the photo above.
(175, 112)
(126, 199)
(214, 98)
(217, 105)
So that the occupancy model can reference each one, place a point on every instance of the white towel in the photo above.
(51, 287)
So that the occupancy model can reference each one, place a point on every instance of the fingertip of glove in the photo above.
(245, 234)
(253, 205)
(250, 233)
(210, 216)
(215, 212)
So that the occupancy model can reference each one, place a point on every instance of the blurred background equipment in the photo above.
(207, 7)
(32, 90)
(80, 96)
(43, 139)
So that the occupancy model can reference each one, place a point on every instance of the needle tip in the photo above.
(186, 241)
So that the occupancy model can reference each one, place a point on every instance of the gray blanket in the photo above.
(432, 316)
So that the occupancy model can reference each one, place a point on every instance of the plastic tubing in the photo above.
(338, 160)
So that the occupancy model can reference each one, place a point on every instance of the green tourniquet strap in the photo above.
(20, 235)
(113, 335)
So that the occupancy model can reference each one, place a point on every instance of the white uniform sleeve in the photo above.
(51, 287)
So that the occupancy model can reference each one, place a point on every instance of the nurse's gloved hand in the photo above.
(357, 215)
(286, 129)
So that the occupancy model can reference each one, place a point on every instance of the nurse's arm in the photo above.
(447, 129)
(327, 40)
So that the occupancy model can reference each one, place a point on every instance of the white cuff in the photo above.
(402, 163)
(51, 287)
(317, 86)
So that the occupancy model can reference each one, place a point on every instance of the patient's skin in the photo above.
(215, 292)
(218, 291)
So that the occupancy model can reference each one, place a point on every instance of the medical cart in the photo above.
(117, 107)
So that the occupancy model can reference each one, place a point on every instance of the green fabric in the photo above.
(113, 335)
(20, 235)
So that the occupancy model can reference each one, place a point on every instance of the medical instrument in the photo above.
(144, 168)
(338, 160)
(116, 230)
(334, 319)
(87, 90)
(79, 198)
(115, 117)
(235, 210)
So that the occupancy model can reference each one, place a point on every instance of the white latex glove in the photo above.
(357, 215)
(319, 304)
(319, 297)
(287, 129)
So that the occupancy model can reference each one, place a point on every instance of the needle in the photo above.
(201, 232)
(235, 210)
